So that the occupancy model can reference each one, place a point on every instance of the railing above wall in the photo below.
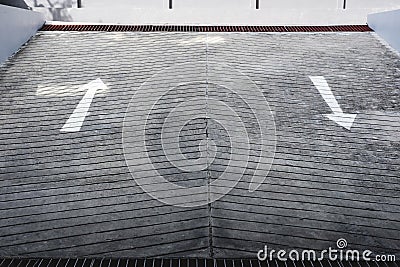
(215, 4)
(253, 4)
(214, 12)
(172, 4)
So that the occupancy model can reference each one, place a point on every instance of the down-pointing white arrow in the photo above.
(75, 121)
(343, 119)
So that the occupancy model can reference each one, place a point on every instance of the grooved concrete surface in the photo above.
(72, 194)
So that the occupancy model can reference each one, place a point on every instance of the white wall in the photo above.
(17, 26)
(214, 4)
(157, 4)
(204, 16)
(241, 4)
(218, 4)
(387, 26)
(223, 12)
(373, 4)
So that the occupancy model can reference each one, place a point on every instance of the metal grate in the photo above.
(186, 28)
(182, 263)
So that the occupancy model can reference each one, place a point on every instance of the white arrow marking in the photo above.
(343, 119)
(75, 121)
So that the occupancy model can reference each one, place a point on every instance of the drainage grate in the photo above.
(182, 263)
(183, 28)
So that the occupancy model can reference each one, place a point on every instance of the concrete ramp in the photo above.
(204, 145)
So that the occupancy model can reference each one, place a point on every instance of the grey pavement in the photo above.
(65, 194)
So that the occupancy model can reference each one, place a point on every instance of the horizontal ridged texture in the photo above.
(72, 194)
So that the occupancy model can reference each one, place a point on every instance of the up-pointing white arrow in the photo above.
(75, 121)
(343, 119)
